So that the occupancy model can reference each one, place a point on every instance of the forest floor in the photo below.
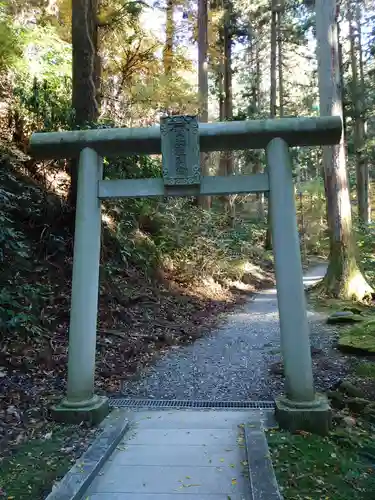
(164, 315)
(340, 466)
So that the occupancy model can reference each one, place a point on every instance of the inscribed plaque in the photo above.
(180, 150)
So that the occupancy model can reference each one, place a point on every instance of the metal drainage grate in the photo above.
(175, 403)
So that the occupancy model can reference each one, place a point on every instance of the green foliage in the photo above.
(21, 297)
(43, 88)
(132, 167)
(46, 105)
(311, 218)
(173, 233)
(46, 54)
(365, 369)
(366, 245)
(10, 41)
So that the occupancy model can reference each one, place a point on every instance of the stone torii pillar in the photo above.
(180, 141)
(300, 407)
(81, 403)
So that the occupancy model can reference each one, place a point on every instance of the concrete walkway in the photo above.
(204, 455)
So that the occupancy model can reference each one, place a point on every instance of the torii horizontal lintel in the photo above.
(221, 136)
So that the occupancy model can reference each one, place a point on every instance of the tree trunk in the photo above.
(257, 168)
(343, 277)
(341, 70)
(223, 158)
(85, 68)
(280, 62)
(273, 102)
(251, 63)
(362, 129)
(169, 35)
(204, 201)
(362, 174)
(255, 95)
(226, 160)
(228, 94)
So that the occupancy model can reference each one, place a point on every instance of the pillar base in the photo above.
(92, 411)
(311, 416)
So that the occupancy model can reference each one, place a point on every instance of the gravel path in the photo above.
(233, 362)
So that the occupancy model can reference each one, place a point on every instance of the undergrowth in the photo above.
(311, 219)
(188, 242)
(366, 250)
(144, 236)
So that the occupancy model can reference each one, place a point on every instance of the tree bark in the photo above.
(255, 96)
(226, 166)
(222, 157)
(362, 173)
(343, 277)
(341, 70)
(273, 101)
(84, 64)
(221, 92)
(362, 118)
(280, 62)
(203, 201)
(273, 97)
(169, 35)
(85, 73)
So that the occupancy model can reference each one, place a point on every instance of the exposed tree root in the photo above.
(346, 286)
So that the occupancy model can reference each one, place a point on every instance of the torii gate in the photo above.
(180, 140)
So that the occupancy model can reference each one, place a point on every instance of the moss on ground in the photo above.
(365, 369)
(341, 320)
(330, 305)
(32, 468)
(337, 467)
(359, 338)
(340, 466)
